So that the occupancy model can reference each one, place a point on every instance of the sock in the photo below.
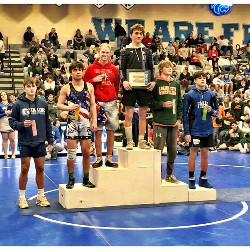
(203, 174)
(86, 176)
(141, 137)
(41, 192)
(109, 158)
(128, 133)
(191, 174)
(71, 175)
(22, 194)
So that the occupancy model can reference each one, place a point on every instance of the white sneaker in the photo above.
(143, 144)
(130, 145)
(22, 203)
(42, 201)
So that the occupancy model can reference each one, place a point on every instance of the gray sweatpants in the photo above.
(167, 135)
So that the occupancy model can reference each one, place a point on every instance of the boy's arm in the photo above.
(14, 119)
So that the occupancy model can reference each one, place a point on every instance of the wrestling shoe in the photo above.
(191, 183)
(112, 164)
(87, 183)
(98, 163)
(71, 183)
(204, 183)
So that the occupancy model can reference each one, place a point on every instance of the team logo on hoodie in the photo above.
(33, 111)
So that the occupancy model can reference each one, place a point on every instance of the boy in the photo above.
(30, 116)
(200, 104)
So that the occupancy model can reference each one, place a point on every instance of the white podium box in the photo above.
(201, 194)
(137, 181)
(170, 192)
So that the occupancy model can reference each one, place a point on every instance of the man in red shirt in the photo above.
(106, 81)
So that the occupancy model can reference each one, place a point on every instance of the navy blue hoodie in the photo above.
(24, 109)
(194, 102)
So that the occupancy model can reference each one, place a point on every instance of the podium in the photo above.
(137, 181)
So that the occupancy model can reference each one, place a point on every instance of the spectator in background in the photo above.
(53, 62)
(49, 86)
(40, 57)
(225, 45)
(90, 39)
(27, 37)
(52, 107)
(34, 46)
(54, 38)
(8, 134)
(90, 54)
(51, 154)
(28, 59)
(190, 42)
(47, 44)
(78, 40)
(58, 78)
(237, 107)
(200, 44)
(120, 34)
(213, 55)
(147, 40)
(70, 53)
(2, 51)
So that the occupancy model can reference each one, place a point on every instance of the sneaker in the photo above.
(97, 164)
(111, 164)
(6, 157)
(143, 144)
(204, 183)
(87, 183)
(191, 183)
(71, 183)
(42, 201)
(22, 203)
(13, 157)
(130, 145)
(171, 178)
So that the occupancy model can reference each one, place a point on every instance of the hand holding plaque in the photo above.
(138, 78)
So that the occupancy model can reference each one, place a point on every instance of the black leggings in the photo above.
(2, 56)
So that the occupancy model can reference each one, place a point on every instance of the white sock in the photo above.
(41, 192)
(22, 194)
(141, 137)
(128, 133)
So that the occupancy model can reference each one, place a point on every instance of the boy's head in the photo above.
(29, 81)
(76, 65)
(163, 64)
(137, 27)
(233, 125)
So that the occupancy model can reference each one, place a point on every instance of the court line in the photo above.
(243, 211)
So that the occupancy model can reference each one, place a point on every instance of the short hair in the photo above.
(163, 64)
(199, 74)
(137, 26)
(75, 65)
(233, 122)
(29, 80)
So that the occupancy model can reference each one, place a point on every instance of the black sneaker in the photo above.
(71, 183)
(87, 183)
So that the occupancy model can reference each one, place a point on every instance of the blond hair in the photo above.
(163, 64)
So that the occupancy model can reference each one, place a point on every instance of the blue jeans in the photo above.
(120, 42)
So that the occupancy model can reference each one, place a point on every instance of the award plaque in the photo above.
(138, 78)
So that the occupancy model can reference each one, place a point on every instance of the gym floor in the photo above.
(224, 222)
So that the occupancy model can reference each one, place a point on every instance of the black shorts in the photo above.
(142, 96)
(202, 142)
(35, 152)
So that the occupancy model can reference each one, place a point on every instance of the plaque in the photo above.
(138, 78)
